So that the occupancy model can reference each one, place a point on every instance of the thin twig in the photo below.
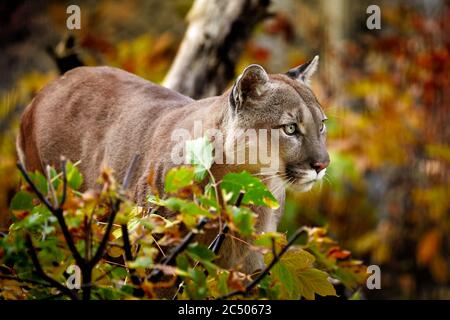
(170, 259)
(218, 241)
(216, 244)
(64, 175)
(58, 175)
(101, 248)
(126, 243)
(57, 212)
(51, 189)
(68, 237)
(137, 292)
(239, 199)
(86, 265)
(107, 273)
(157, 244)
(88, 241)
(41, 272)
(86, 236)
(274, 248)
(115, 206)
(219, 197)
(30, 281)
(266, 271)
(41, 197)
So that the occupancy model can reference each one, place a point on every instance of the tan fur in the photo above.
(103, 115)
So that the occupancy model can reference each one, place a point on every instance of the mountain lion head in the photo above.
(284, 105)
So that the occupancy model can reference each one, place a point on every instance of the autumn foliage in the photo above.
(385, 196)
(126, 251)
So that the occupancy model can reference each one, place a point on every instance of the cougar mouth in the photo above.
(303, 179)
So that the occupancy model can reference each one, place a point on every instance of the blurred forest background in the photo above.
(386, 92)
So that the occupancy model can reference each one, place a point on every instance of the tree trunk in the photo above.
(212, 44)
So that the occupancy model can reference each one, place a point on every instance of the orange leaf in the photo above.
(428, 247)
(338, 253)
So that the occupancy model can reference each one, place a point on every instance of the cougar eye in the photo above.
(290, 129)
(322, 127)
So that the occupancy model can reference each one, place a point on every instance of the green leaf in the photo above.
(182, 262)
(243, 220)
(141, 262)
(298, 278)
(127, 289)
(199, 153)
(105, 293)
(255, 192)
(209, 203)
(39, 220)
(269, 288)
(119, 273)
(74, 177)
(155, 199)
(222, 282)
(287, 281)
(196, 287)
(39, 181)
(200, 252)
(50, 251)
(157, 223)
(186, 207)
(178, 178)
(53, 177)
(266, 239)
(297, 259)
(356, 295)
(22, 201)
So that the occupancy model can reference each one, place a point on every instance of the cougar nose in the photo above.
(319, 166)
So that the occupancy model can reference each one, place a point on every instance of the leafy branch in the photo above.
(266, 270)
(191, 264)
(41, 273)
(85, 264)
(170, 259)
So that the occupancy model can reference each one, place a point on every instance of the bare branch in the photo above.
(41, 197)
(170, 259)
(239, 199)
(274, 248)
(64, 175)
(216, 244)
(137, 292)
(101, 248)
(126, 243)
(41, 272)
(85, 264)
(218, 241)
(50, 186)
(68, 237)
(266, 271)
(30, 281)
(57, 212)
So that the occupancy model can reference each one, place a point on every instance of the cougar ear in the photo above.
(304, 71)
(251, 83)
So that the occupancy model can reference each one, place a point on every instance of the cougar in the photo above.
(104, 115)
